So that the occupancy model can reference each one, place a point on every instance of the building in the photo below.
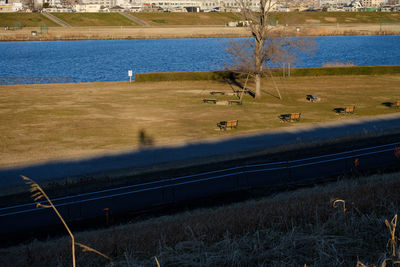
(393, 2)
(10, 6)
(6, 8)
(93, 3)
(372, 3)
(87, 8)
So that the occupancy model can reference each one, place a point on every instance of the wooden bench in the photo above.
(347, 110)
(209, 100)
(238, 102)
(313, 98)
(217, 93)
(240, 91)
(290, 117)
(223, 125)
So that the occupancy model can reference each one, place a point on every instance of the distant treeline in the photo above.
(228, 75)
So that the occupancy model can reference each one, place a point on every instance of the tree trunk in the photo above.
(258, 85)
(259, 67)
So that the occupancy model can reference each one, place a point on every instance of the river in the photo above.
(110, 60)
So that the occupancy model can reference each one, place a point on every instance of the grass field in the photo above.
(94, 19)
(26, 20)
(294, 228)
(168, 19)
(337, 17)
(215, 18)
(291, 18)
(48, 122)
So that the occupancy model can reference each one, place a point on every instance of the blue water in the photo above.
(110, 60)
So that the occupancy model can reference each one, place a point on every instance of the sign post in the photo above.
(130, 75)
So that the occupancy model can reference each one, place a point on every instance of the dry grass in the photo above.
(122, 32)
(194, 31)
(288, 229)
(49, 122)
(39, 194)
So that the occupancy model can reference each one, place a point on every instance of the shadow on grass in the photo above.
(235, 79)
(106, 171)
(338, 110)
(114, 163)
(144, 139)
(268, 93)
(388, 104)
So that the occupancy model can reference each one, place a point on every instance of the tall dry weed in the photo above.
(37, 193)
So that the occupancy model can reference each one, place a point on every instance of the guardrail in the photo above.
(34, 80)
(166, 191)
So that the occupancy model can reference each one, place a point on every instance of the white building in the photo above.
(54, 3)
(87, 8)
(6, 8)
(373, 3)
(172, 4)
(58, 9)
(232, 5)
(394, 2)
(93, 3)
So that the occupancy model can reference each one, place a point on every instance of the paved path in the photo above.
(134, 19)
(55, 19)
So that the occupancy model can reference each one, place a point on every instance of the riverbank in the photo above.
(123, 32)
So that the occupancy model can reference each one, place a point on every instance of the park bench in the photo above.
(223, 125)
(209, 100)
(290, 117)
(238, 102)
(347, 110)
(217, 93)
(313, 98)
(240, 91)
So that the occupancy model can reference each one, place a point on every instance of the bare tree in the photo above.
(267, 45)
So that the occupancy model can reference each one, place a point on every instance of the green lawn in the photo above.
(25, 19)
(336, 17)
(169, 19)
(94, 19)
(159, 19)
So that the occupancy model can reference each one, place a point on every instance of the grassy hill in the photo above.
(159, 19)
(94, 19)
(168, 19)
(214, 18)
(336, 17)
(25, 19)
